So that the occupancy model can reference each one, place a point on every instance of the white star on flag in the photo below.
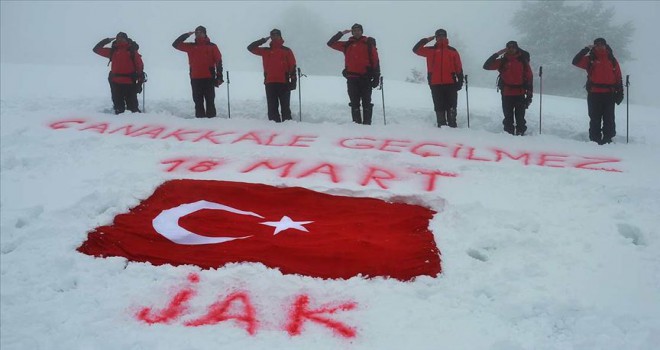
(286, 223)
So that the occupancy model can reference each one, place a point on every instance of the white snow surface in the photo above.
(547, 256)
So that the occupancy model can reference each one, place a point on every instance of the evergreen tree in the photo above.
(554, 31)
(416, 76)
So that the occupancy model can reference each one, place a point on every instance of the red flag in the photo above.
(296, 230)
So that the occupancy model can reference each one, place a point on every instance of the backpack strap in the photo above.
(289, 75)
(524, 59)
(371, 42)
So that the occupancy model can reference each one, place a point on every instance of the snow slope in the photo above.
(558, 253)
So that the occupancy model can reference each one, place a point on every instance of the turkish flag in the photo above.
(296, 230)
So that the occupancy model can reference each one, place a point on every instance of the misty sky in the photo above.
(64, 32)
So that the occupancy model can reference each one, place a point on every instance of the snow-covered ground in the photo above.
(558, 249)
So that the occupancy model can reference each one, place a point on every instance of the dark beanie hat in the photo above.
(512, 43)
(201, 29)
(122, 35)
(276, 32)
(357, 25)
(440, 32)
(600, 41)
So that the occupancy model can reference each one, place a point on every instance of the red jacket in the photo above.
(278, 60)
(516, 77)
(603, 71)
(204, 57)
(357, 61)
(127, 65)
(443, 63)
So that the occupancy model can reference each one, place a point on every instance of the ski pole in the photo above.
(541, 98)
(627, 104)
(228, 103)
(467, 100)
(144, 91)
(300, 75)
(299, 96)
(382, 92)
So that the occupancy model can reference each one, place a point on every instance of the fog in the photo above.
(64, 32)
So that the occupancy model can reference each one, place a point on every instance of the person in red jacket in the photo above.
(126, 71)
(205, 63)
(516, 84)
(361, 69)
(604, 88)
(445, 75)
(279, 74)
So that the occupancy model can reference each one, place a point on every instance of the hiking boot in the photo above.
(595, 136)
(367, 112)
(355, 114)
(441, 118)
(451, 117)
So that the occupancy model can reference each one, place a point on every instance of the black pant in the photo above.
(359, 91)
(124, 96)
(278, 94)
(444, 97)
(514, 106)
(203, 89)
(601, 111)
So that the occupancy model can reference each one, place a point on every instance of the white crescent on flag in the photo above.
(167, 223)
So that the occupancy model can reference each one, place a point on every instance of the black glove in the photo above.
(101, 43)
(528, 100)
(618, 96)
(375, 81)
(138, 88)
(458, 78)
(218, 81)
(292, 84)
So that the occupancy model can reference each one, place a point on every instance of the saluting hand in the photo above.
(345, 31)
(501, 51)
(430, 38)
